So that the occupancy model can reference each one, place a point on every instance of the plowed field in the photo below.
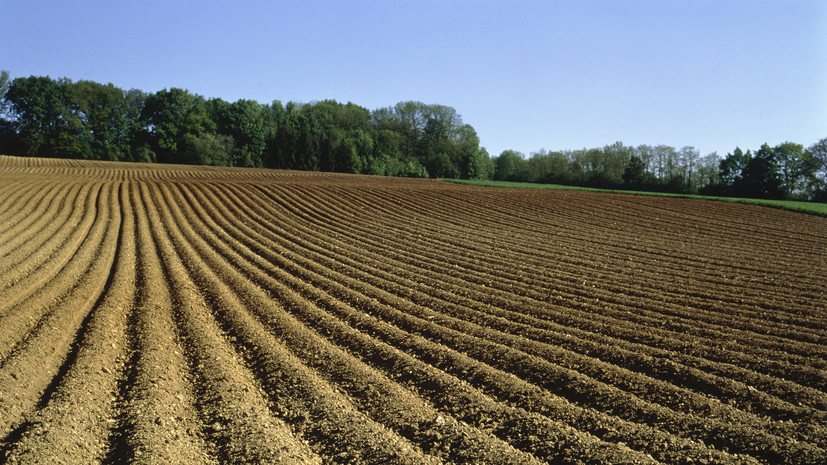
(200, 315)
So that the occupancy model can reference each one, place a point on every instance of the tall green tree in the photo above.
(174, 120)
(296, 138)
(689, 165)
(647, 155)
(550, 167)
(110, 118)
(633, 174)
(615, 159)
(708, 171)
(9, 140)
(472, 160)
(245, 122)
(344, 140)
(792, 168)
(732, 167)
(508, 165)
(5, 83)
(437, 149)
(816, 160)
(46, 118)
(760, 178)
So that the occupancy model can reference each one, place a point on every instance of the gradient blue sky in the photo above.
(526, 74)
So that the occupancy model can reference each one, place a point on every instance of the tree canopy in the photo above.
(41, 116)
(786, 171)
(46, 117)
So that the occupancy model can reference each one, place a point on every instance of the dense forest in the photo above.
(41, 116)
(64, 119)
(786, 171)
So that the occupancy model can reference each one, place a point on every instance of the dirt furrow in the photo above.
(320, 296)
(620, 321)
(317, 411)
(640, 286)
(156, 314)
(700, 427)
(517, 323)
(396, 271)
(46, 244)
(583, 240)
(37, 295)
(341, 263)
(27, 373)
(663, 394)
(159, 420)
(76, 423)
(16, 197)
(596, 395)
(590, 227)
(378, 395)
(53, 214)
(27, 198)
(531, 275)
(232, 406)
(565, 317)
(513, 425)
(620, 317)
(675, 219)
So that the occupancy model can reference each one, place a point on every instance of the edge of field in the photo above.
(813, 208)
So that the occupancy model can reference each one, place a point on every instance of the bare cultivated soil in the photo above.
(162, 314)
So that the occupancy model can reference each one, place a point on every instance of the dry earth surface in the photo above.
(163, 314)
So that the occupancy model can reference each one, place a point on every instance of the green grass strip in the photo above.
(813, 208)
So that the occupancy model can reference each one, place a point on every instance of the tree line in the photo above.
(41, 116)
(786, 171)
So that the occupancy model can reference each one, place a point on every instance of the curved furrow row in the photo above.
(677, 271)
(33, 297)
(389, 274)
(50, 213)
(77, 422)
(621, 314)
(683, 217)
(540, 436)
(317, 411)
(472, 245)
(483, 300)
(15, 195)
(463, 308)
(617, 317)
(230, 402)
(541, 271)
(47, 243)
(306, 286)
(160, 421)
(409, 238)
(678, 225)
(596, 394)
(185, 314)
(357, 299)
(733, 238)
(635, 436)
(598, 222)
(375, 394)
(740, 218)
(679, 274)
(43, 203)
(27, 372)
(675, 274)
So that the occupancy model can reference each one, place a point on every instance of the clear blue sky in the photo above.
(526, 74)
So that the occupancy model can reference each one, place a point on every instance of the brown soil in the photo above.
(170, 314)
